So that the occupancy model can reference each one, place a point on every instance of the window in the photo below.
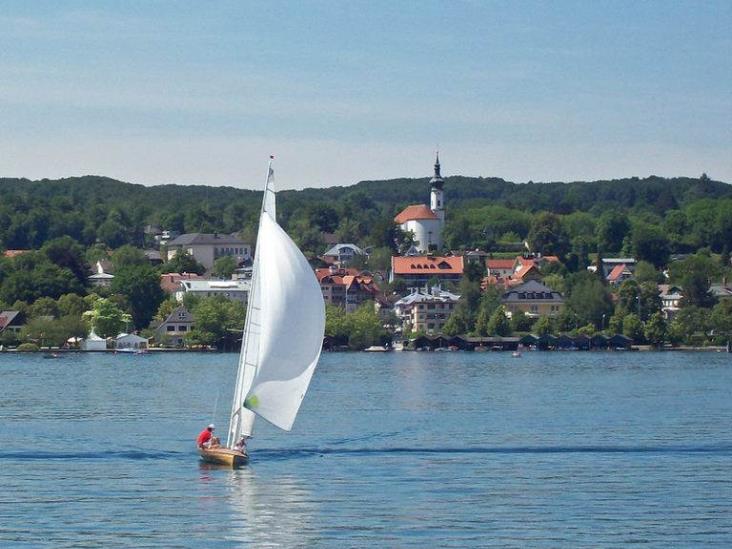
(182, 328)
(170, 328)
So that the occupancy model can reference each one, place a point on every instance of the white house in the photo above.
(342, 254)
(426, 223)
(130, 341)
(230, 289)
(207, 248)
(94, 343)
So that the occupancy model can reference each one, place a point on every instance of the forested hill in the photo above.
(98, 209)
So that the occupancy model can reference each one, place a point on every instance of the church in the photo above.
(426, 223)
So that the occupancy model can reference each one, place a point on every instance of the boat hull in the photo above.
(223, 456)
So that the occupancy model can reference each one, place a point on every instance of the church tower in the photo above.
(437, 199)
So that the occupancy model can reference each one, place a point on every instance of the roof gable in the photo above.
(414, 212)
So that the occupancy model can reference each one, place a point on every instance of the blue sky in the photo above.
(202, 92)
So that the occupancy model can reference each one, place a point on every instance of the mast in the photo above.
(242, 419)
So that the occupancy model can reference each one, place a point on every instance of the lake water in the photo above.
(390, 450)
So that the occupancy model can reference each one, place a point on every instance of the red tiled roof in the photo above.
(415, 211)
(170, 282)
(427, 264)
(500, 263)
(14, 253)
(348, 278)
(617, 272)
(525, 269)
(338, 274)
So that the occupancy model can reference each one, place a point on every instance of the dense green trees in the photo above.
(358, 330)
(219, 323)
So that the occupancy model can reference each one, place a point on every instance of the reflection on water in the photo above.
(272, 511)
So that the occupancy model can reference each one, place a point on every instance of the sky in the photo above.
(189, 92)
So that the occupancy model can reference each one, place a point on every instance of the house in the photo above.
(165, 237)
(207, 248)
(670, 300)
(102, 278)
(534, 299)
(619, 274)
(154, 257)
(170, 282)
(721, 290)
(610, 263)
(425, 311)
(174, 328)
(93, 342)
(426, 223)
(512, 272)
(237, 290)
(342, 255)
(474, 256)
(130, 342)
(500, 268)
(346, 288)
(10, 321)
(418, 270)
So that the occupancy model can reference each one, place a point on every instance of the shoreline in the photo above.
(634, 348)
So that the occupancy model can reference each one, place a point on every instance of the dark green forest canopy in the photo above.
(95, 208)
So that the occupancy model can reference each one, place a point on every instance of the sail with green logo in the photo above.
(284, 329)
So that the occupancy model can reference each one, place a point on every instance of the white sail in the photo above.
(242, 420)
(284, 329)
(292, 320)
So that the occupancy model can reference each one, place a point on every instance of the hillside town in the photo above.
(189, 291)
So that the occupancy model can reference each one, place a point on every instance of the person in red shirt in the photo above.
(205, 438)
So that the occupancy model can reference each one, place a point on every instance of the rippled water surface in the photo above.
(400, 449)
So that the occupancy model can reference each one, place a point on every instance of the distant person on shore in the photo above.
(206, 439)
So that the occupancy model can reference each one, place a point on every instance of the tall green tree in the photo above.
(106, 318)
(140, 284)
(183, 262)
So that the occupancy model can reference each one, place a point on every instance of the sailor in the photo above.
(241, 446)
(206, 439)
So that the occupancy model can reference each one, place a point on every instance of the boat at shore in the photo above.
(283, 337)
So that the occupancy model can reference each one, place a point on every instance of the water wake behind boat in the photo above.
(118, 455)
(262, 454)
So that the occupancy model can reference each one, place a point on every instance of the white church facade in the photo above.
(426, 223)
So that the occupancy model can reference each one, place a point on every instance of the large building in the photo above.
(426, 223)
(423, 311)
(419, 270)
(237, 290)
(533, 298)
(346, 288)
(207, 248)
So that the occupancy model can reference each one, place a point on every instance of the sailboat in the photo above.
(283, 335)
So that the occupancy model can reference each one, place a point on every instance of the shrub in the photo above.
(28, 348)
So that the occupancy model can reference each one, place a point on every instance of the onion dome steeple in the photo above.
(437, 182)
